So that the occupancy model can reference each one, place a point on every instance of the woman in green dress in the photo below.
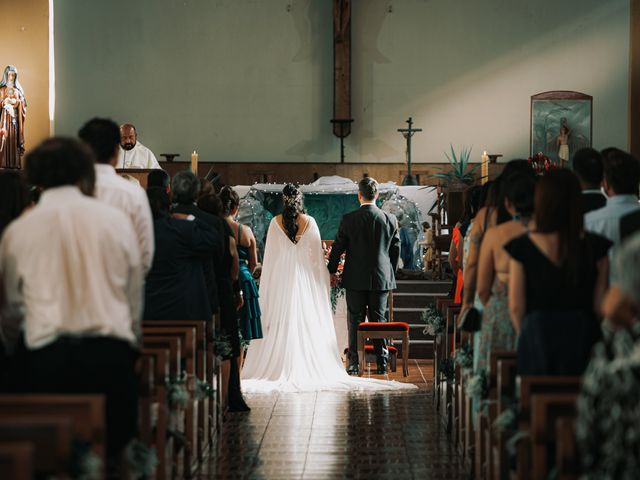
(250, 324)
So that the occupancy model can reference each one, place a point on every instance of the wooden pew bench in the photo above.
(16, 460)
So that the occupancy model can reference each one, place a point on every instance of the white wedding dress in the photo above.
(299, 352)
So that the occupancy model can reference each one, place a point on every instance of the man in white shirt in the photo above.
(103, 136)
(621, 178)
(72, 266)
(132, 154)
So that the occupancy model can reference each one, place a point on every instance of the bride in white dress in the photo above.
(299, 351)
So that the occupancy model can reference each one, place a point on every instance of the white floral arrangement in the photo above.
(434, 323)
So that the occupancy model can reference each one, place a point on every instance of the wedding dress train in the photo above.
(299, 351)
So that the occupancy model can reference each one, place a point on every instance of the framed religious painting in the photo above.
(561, 124)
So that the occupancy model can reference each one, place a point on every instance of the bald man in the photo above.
(132, 154)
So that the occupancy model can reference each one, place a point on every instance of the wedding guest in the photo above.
(621, 179)
(557, 279)
(176, 288)
(185, 187)
(250, 324)
(14, 197)
(159, 178)
(103, 136)
(587, 165)
(132, 153)
(621, 305)
(231, 301)
(78, 281)
(497, 332)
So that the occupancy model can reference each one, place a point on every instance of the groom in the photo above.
(371, 240)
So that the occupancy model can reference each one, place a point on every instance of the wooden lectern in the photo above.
(140, 174)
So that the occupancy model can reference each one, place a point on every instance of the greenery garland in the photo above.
(434, 322)
(177, 394)
(222, 345)
(477, 386)
(446, 370)
(337, 292)
(463, 357)
(142, 460)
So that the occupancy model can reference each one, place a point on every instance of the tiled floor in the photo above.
(329, 435)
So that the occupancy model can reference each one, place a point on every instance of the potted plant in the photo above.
(455, 181)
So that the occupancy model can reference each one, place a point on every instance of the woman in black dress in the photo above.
(557, 278)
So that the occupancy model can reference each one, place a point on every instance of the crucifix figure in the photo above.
(408, 133)
(341, 71)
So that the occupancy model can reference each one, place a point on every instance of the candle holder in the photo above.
(169, 156)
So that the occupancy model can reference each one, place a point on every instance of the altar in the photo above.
(329, 198)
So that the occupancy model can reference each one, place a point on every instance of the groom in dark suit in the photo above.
(371, 240)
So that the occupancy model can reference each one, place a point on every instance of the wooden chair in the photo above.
(16, 460)
(389, 330)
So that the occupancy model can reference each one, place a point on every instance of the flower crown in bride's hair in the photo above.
(291, 195)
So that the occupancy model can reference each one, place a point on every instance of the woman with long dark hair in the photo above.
(14, 197)
(250, 325)
(497, 332)
(557, 278)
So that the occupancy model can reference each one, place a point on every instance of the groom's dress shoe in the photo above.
(353, 370)
(382, 370)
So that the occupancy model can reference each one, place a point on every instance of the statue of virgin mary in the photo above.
(13, 111)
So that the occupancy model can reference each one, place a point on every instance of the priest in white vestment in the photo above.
(132, 153)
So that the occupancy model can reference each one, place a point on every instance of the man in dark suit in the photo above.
(588, 166)
(371, 240)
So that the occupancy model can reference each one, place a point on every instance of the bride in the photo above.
(299, 351)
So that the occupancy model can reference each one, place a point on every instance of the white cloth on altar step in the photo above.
(299, 351)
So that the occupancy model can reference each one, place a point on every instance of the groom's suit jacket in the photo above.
(371, 240)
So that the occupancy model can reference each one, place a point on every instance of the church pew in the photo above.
(175, 422)
(16, 460)
(546, 409)
(529, 386)
(204, 406)
(506, 391)
(492, 408)
(87, 414)
(439, 344)
(187, 336)
(567, 455)
(159, 410)
(212, 375)
(50, 436)
(173, 345)
(451, 313)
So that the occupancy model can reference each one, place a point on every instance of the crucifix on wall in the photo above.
(341, 71)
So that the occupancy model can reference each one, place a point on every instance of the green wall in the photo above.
(251, 80)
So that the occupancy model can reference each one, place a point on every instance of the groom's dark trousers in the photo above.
(370, 240)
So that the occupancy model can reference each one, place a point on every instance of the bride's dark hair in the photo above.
(293, 207)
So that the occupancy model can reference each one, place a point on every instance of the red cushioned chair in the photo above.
(389, 330)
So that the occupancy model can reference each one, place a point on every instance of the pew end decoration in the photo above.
(434, 322)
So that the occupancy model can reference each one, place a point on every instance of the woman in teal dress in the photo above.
(250, 324)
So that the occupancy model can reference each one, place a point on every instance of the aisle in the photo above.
(338, 435)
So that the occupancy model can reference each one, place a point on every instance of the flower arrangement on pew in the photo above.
(446, 370)
(541, 164)
(337, 291)
(463, 358)
(476, 386)
(434, 323)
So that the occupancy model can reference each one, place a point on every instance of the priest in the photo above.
(132, 153)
